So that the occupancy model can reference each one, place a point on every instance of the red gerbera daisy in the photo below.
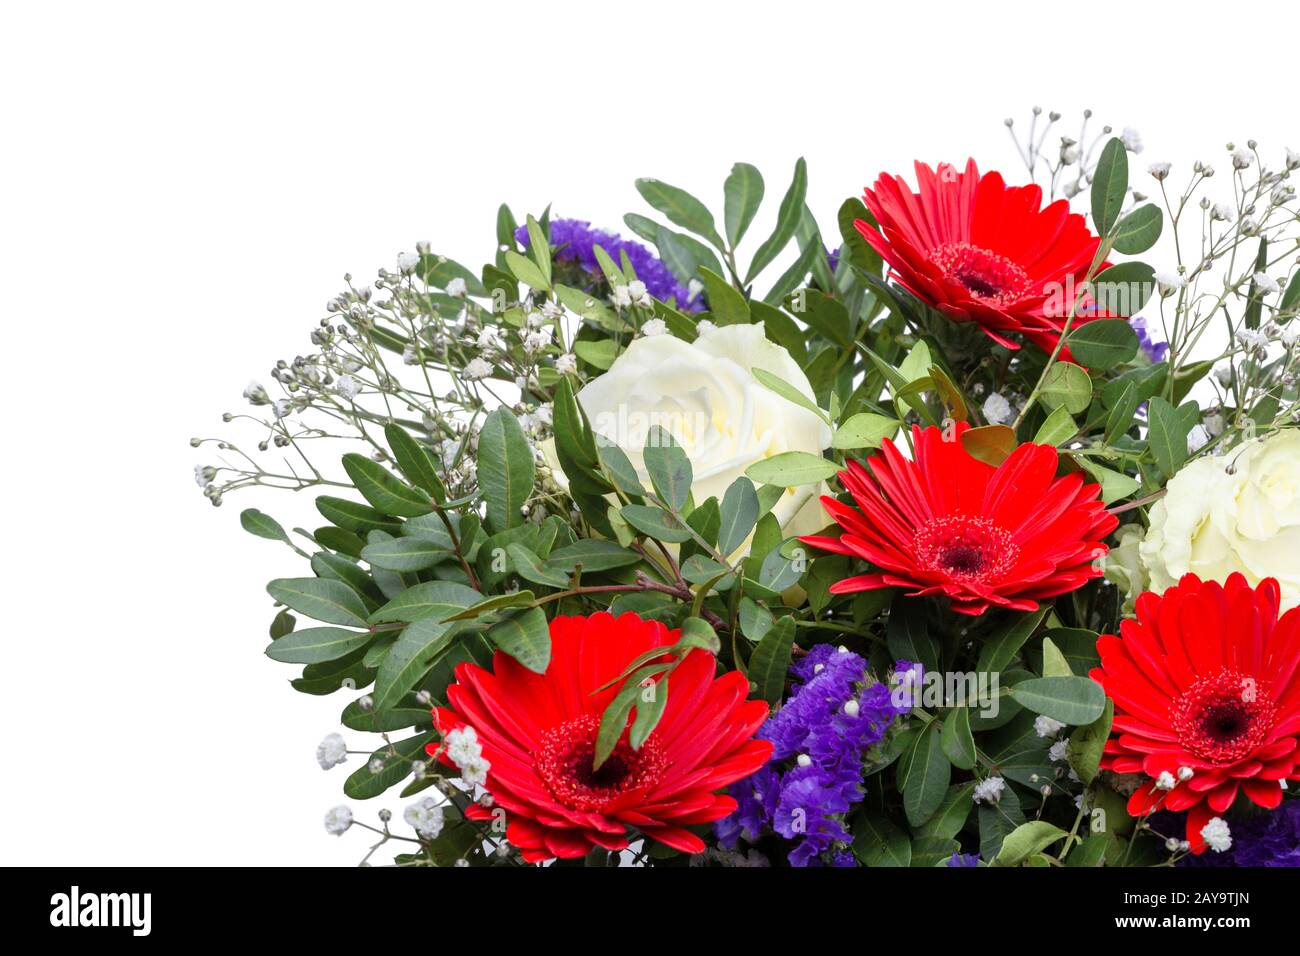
(948, 523)
(538, 732)
(978, 250)
(1207, 693)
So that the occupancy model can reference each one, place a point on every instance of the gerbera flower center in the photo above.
(986, 275)
(965, 548)
(1223, 718)
(564, 762)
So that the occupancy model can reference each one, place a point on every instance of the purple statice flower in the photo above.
(820, 737)
(963, 859)
(832, 258)
(1269, 839)
(1153, 350)
(575, 239)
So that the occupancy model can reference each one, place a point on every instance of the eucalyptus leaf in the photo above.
(320, 598)
(312, 645)
(505, 469)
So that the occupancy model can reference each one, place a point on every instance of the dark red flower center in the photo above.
(1223, 718)
(967, 549)
(988, 276)
(565, 757)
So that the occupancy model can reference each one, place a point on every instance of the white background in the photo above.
(184, 186)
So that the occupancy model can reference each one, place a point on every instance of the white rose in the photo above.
(704, 394)
(1234, 512)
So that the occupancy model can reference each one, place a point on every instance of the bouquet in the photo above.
(960, 537)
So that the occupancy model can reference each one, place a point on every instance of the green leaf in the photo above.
(677, 255)
(1167, 436)
(1086, 745)
(410, 658)
(755, 620)
(575, 444)
(600, 354)
(907, 635)
(1028, 838)
(1071, 700)
(956, 739)
(991, 444)
(668, 467)
(739, 515)
(614, 720)
(262, 525)
(539, 247)
(438, 271)
(825, 315)
(282, 624)
(526, 271)
(320, 598)
(415, 461)
(388, 493)
(505, 469)
(778, 572)
(794, 276)
(744, 192)
(999, 651)
(1123, 289)
(526, 637)
(1067, 385)
(770, 662)
(1054, 662)
(877, 841)
(650, 704)
(1104, 343)
(405, 554)
(996, 823)
(787, 220)
(792, 468)
(499, 602)
(656, 523)
(436, 599)
(924, 777)
(680, 207)
(1255, 298)
(697, 632)
(1120, 417)
(1138, 230)
(1290, 301)
(786, 391)
(1114, 485)
(726, 304)
(1109, 185)
(865, 430)
(856, 248)
(592, 555)
(529, 567)
(354, 516)
(396, 760)
(1059, 426)
(408, 712)
(315, 644)
(952, 814)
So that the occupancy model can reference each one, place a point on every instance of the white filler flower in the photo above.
(331, 752)
(1217, 835)
(425, 818)
(338, 820)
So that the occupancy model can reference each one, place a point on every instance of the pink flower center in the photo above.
(1223, 718)
(986, 275)
(966, 549)
(564, 762)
